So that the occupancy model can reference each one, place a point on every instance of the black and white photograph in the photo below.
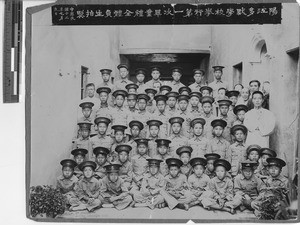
(162, 111)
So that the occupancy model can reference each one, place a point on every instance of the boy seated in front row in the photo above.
(79, 155)
(184, 154)
(101, 161)
(246, 186)
(218, 196)
(163, 154)
(139, 164)
(275, 181)
(177, 193)
(112, 190)
(126, 167)
(88, 188)
(210, 169)
(67, 181)
(218, 144)
(153, 182)
(198, 181)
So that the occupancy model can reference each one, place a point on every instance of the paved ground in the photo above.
(194, 213)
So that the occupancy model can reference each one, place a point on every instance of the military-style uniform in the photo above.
(84, 143)
(125, 171)
(95, 106)
(151, 186)
(107, 84)
(151, 104)
(79, 151)
(216, 84)
(236, 110)
(207, 131)
(211, 158)
(185, 169)
(164, 89)
(152, 145)
(116, 192)
(89, 119)
(163, 169)
(121, 84)
(67, 185)
(229, 118)
(177, 140)
(102, 140)
(87, 189)
(100, 171)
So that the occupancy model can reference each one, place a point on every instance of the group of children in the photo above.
(167, 145)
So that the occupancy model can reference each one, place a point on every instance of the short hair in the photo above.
(257, 81)
(90, 85)
(237, 85)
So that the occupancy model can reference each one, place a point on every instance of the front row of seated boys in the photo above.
(210, 186)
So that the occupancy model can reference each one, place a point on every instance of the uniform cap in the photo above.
(248, 164)
(160, 98)
(151, 123)
(218, 122)
(113, 168)
(207, 99)
(151, 90)
(103, 89)
(163, 142)
(68, 162)
(198, 161)
(184, 88)
(155, 67)
(238, 127)
(142, 141)
(200, 71)
(176, 120)
(212, 156)
(177, 69)
(183, 149)
(120, 92)
(106, 71)
(84, 164)
(79, 151)
(220, 68)
(172, 94)
(101, 150)
(119, 127)
(276, 162)
(197, 120)
(174, 162)
(165, 88)
(183, 97)
(136, 123)
(102, 120)
(84, 105)
(143, 96)
(222, 162)
(132, 86)
(251, 148)
(224, 102)
(232, 93)
(85, 125)
(268, 151)
(154, 161)
(196, 94)
(206, 88)
(125, 148)
(140, 71)
(238, 108)
(123, 65)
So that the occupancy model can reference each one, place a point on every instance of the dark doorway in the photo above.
(188, 61)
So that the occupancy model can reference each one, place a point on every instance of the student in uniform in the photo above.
(87, 115)
(183, 102)
(135, 131)
(139, 164)
(206, 91)
(153, 182)
(198, 181)
(84, 140)
(142, 114)
(259, 121)
(233, 97)
(119, 139)
(253, 153)
(184, 90)
(164, 89)
(120, 113)
(131, 88)
(151, 104)
(176, 193)
(198, 77)
(218, 144)
(113, 190)
(175, 84)
(210, 169)
(140, 75)
(104, 108)
(274, 181)
(123, 71)
(155, 74)
(176, 138)
(91, 97)
(171, 103)
(101, 159)
(236, 152)
(125, 171)
(102, 139)
(131, 103)
(88, 188)
(106, 77)
(207, 106)
(239, 111)
(163, 153)
(226, 116)
(195, 105)
(161, 115)
(79, 156)
(220, 191)
(66, 183)
(218, 82)
(184, 154)
(246, 187)
(263, 171)
(154, 130)
(198, 142)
